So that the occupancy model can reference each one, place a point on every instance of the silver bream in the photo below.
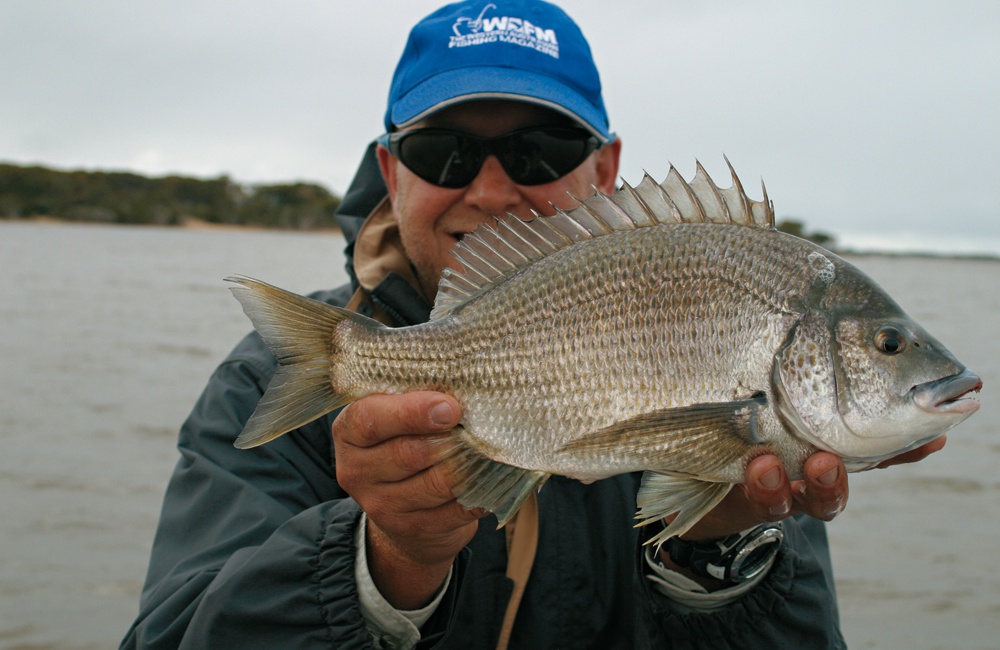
(667, 328)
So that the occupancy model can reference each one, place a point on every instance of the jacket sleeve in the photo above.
(254, 547)
(794, 607)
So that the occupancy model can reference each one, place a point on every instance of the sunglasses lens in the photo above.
(545, 155)
(530, 157)
(442, 158)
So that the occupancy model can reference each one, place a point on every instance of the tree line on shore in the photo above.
(129, 198)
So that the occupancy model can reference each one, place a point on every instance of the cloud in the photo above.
(862, 117)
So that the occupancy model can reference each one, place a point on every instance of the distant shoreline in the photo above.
(127, 198)
(977, 257)
(187, 224)
(201, 225)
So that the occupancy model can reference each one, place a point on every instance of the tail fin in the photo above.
(300, 332)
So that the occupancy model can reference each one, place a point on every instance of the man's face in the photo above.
(433, 219)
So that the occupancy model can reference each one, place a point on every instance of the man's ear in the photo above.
(607, 158)
(388, 164)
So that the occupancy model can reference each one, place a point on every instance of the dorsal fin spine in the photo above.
(744, 199)
(487, 238)
(713, 188)
(570, 227)
(616, 207)
(491, 255)
(519, 229)
(675, 210)
(522, 229)
(642, 203)
(768, 207)
(446, 282)
(592, 213)
(689, 191)
(472, 249)
(503, 225)
(470, 268)
(546, 224)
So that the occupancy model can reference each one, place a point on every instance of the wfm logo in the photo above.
(504, 29)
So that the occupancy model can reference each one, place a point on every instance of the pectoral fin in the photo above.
(698, 440)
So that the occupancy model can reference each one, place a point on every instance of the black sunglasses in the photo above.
(452, 159)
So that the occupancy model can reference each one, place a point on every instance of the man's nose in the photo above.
(492, 191)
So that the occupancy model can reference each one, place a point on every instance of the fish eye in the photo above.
(890, 340)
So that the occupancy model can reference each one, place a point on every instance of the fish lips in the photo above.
(950, 395)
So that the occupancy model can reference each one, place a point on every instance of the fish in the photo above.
(666, 328)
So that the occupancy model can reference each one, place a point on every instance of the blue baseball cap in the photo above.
(522, 50)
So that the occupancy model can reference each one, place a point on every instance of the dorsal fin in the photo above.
(495, 252)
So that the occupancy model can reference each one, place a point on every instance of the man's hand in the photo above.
(385, 455)
(768, 495)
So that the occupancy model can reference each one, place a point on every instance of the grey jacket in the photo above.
(255, 548)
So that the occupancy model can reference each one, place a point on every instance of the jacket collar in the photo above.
(378, 250)
(386, 286)
(384, 273)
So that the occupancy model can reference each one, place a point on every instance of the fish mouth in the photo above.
(952, 394)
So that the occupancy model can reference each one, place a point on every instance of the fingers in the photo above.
(821, 493)
(420, 523)
(385, 448)
(423, 491)
(767, 489)
(374, 419)
(823, 490)
(768, 495)
(765, 495)
(396, 429)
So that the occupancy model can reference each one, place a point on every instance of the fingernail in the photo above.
(442, 414)
(779, 509)
(830, 477)
(770, 479)
(833, 508)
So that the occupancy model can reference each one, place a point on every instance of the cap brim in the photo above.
(457, 86)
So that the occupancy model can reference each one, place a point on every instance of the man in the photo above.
(355, 539)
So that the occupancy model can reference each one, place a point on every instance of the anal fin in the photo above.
(481, 482)
(661, 495)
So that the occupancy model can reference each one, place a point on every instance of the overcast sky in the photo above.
(878, 122)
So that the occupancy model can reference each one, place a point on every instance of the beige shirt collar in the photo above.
(378, 250)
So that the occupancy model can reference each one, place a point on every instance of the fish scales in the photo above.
(680, 344)
(588, 359)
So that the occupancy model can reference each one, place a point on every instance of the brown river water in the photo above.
(108, 334)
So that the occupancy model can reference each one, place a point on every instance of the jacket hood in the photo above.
(380, 272)
(366, 192)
